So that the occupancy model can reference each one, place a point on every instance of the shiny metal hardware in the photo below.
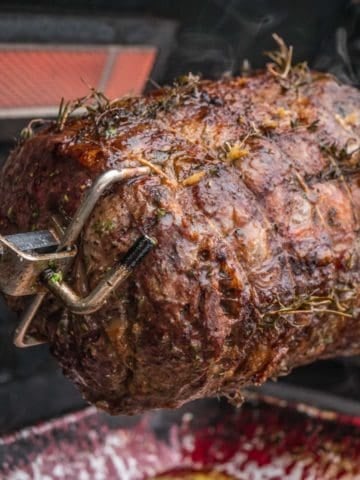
(24, 256)
(65, 252)
(116, 275)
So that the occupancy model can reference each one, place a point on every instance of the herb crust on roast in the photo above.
(254, 201)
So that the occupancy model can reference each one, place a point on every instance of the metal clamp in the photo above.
(24, 256)
(114, 277)
(38, 265)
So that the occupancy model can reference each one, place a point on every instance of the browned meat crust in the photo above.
(254, 201)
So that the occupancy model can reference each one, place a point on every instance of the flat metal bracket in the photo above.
(24, 256)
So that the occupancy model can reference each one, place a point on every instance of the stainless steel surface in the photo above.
(33, 241)
(92, 196)
(112, 280)
(70, 237)
(21, 264)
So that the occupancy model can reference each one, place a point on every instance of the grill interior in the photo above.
(207, 37)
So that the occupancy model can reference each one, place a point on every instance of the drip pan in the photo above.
(267, 438)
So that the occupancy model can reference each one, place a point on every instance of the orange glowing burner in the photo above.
(34, 78)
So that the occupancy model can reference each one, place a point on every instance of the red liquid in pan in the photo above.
(193, 475)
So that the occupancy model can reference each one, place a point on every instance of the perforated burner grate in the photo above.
(34, 79)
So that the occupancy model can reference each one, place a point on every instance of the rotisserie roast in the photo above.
(253, 201)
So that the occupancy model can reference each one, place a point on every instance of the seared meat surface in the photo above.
(254, 201)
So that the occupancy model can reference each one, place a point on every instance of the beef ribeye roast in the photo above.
(254, 202)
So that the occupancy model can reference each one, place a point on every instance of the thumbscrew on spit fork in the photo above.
(111, 281)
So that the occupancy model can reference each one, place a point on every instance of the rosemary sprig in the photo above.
(230, 151)
(95, 102)
(289, 311)
(29, 131)
(282, 58)
(281, 67)
(330, 304)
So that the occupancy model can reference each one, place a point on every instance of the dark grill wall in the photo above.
(215, 35)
